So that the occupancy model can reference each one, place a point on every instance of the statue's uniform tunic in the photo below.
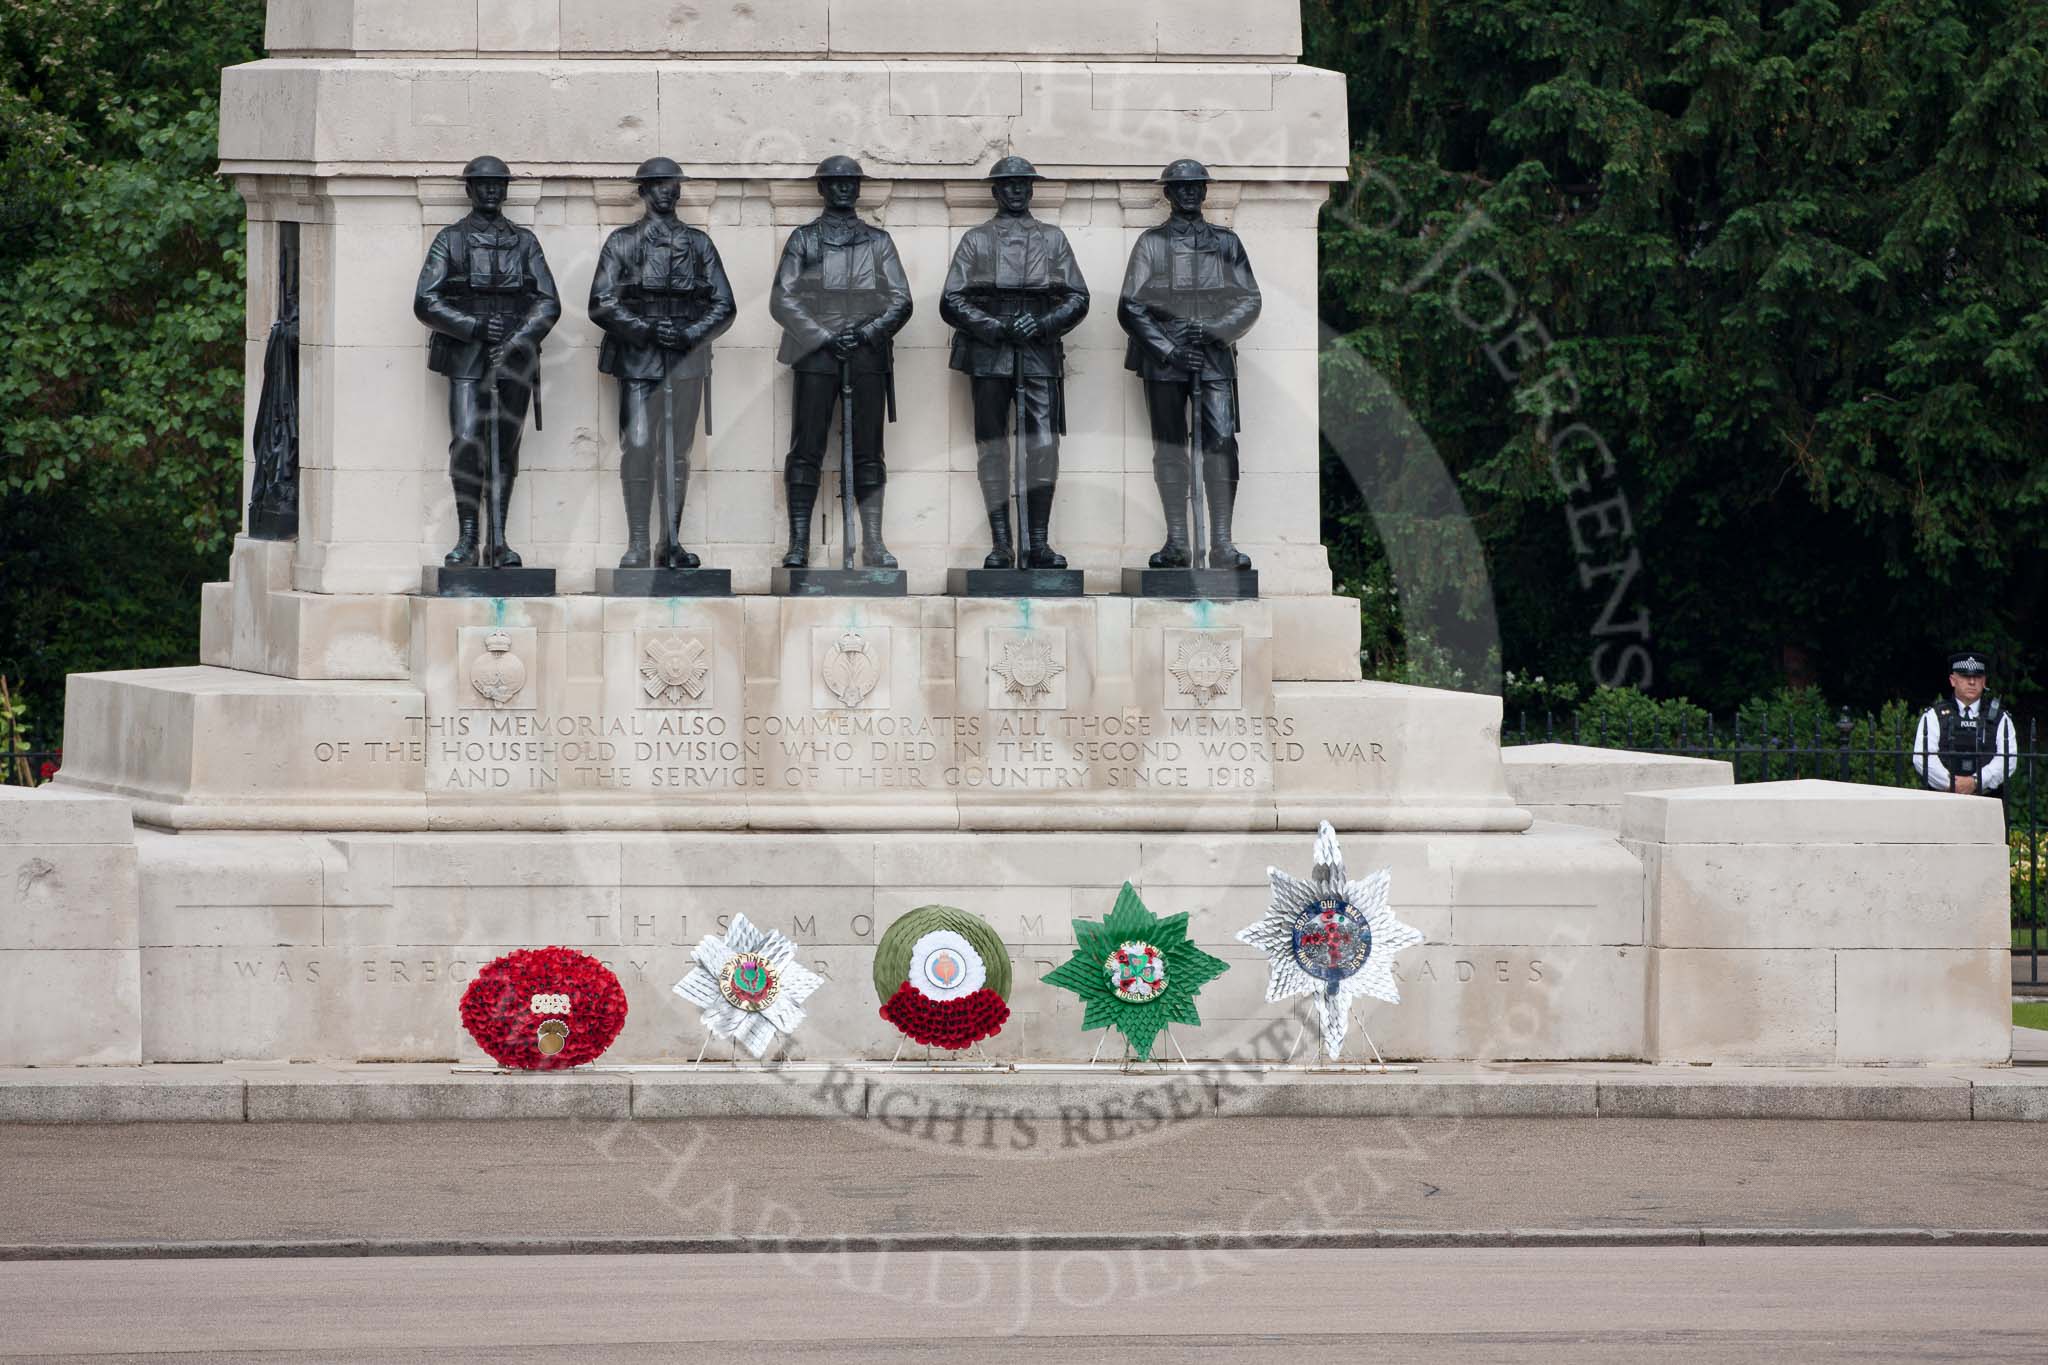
(839, 274)
(1004, 268)
(1190, 271)
(480, 268)
(656, 270)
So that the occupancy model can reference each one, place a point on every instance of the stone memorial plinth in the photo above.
(363, 793)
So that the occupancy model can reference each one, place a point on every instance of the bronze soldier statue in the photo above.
(840, 296)
(486, 292)
(1188, 296)
(1013, 292)
(661, 296)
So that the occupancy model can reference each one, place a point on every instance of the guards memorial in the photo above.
(303, 847)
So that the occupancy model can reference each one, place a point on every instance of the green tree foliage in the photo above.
(1792, 257)
(121, 306)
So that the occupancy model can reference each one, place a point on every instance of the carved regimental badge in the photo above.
(1026, 668)
(497, 675)
(1204, 666)
(851, 668)
(675, 670)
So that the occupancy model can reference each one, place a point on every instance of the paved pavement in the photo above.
(801, 1178)
(1711, 1304)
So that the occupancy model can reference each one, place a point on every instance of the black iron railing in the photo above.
(1848, 749)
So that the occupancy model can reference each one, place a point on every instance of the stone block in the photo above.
(345, 1095)
(1761, 1006)
(131, 1095)
(1809, 812)
(69, 896)
(1584, 785)
(1899, 1007)
(1842, 1097)
(1486, 1095)
(1821, 895)
(55, 815)
(1316, 639)
(71, 1007)
(722, 27)
(2015, 1095)
(712, 1095)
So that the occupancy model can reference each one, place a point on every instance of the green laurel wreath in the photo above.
(1188, 969)
(892, 954)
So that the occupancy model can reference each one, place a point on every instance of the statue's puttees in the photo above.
(1188, 296)
(661, 296)
(486, 292)
(841, 296)
(1013, 292)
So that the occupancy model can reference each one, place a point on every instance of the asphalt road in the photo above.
(787, 1178)
(1710, 1304)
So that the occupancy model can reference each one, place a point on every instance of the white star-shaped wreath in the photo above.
(756, 1010)
(1336, 987)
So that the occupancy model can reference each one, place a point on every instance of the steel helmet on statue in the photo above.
(658, 168)
(487, 168)
(1186, 171)
(1014, 168)
(840, 168)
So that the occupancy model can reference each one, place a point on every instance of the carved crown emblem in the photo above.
(851, 669)
(1205, 668)
(497, 674)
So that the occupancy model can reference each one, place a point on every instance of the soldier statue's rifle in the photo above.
(668, 459)
(846, 457)
(494, 534)
(1018, 473)
(1198, 553)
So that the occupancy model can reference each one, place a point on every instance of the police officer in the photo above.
(1014, 290)
(486, 292)
(1188, 296)
(1966, 742)
(840, 296)
(661, 296)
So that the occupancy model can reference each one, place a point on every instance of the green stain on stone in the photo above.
(1205, 613)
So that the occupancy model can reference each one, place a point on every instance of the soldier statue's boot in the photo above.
(678, 557)
(464, 553)
(1004, 555)
(1038, 506)
(1173, 500)
(1222, 553)
(873, 553)
(803, 498)
(639, 501)
(500, 554)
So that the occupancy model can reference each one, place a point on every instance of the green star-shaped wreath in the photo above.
(1136, 972)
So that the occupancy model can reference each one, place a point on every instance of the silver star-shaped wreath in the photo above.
(1331, 938)
(749, 985)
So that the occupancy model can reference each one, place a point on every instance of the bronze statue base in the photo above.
(467, 581)
(841, 583)
(664, 582)
(1014, 583)
(1189, 585)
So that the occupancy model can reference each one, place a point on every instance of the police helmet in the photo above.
(840, 168)
(1014, 168)
(1969, 663)
(487, 168)
(658, 168)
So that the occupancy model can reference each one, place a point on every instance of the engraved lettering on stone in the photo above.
(1027, 664)
(675, 670)
(498, 675)
(851, 669)
(1204, 666)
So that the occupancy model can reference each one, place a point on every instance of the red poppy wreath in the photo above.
(544, 1009)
